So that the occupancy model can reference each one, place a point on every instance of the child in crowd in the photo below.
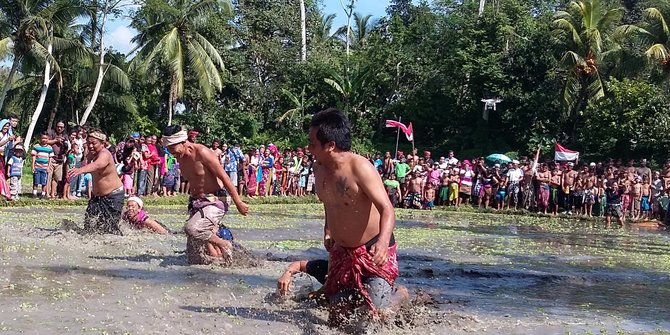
(137, 218)
(127, 173)
(304, 171)
(70, 163)
(443, 199)
(42, 154)
(85, 186)
(645, 203)
(429, 196)
(393, 189)
(170, 177)
(15, 171)
(614, 203)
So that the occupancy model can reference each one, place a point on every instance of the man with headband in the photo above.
(105, 207)
(204, 172)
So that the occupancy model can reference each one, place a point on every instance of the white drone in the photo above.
(489, 104)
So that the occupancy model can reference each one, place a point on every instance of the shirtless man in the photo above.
(358, 231)
(636, 196)
(414, 191)
(527, 186)
(645, 200)
(554, 189)
(200, 166)
(106, 205)
(568, 185)
(543, 178)
(626, 197)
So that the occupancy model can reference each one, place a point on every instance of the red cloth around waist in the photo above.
(348, 267)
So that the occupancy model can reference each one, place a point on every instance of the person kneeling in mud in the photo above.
(201, 167)
(104, 209)
(358, 231)
(137, 217)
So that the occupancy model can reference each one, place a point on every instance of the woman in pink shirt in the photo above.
(434, 175)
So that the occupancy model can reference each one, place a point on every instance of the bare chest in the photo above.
(193, 170)
(337, 189)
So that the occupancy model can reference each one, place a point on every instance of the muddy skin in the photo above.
(466, 272)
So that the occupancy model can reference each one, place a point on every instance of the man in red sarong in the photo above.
(358, 230)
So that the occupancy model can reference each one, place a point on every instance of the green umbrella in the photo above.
(498, 158)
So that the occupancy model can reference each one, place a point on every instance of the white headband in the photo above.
(137, 200)
(98, 135)
(174, 139)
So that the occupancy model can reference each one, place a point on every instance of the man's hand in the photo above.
(328, 242)
(284, 283)
(242, 207)
(73, 172)
(379, 252)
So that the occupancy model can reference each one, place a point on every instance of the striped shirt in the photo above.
(42, 155)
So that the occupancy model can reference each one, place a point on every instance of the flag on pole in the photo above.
(564, 154)
(407, 130)
(535, 161)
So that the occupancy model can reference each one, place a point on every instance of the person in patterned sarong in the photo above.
(358, 231)
(206, 176)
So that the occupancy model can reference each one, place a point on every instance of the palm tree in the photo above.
(363, 25)
(108, 8)
(28, 24)
(654, 33)
(353, 87)
(168, 38)
(300, 105)
(585, 30)
(326, 26)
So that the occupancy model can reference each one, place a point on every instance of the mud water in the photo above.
(473, 273)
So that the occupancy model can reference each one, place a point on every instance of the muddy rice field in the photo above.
(469, 273)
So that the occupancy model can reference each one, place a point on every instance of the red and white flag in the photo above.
(407, 130)
(564, 154)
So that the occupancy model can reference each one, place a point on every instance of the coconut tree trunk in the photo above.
(349, 10)
(15, 65)
(482, 3)
(43, 96)
(304, 30)
(172, 99)
(101, 70)
(54, 109)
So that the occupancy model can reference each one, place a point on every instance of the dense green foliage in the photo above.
(592, 74)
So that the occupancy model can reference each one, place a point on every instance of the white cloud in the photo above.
(119, 38)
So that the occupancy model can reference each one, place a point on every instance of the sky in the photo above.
(119, 34)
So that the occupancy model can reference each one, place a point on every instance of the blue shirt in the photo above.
(234, 154)
(16, 166)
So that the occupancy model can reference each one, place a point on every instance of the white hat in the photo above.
(592, 164)
(137, 200)
(515, 161)
(571, 164)
(496, 165)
